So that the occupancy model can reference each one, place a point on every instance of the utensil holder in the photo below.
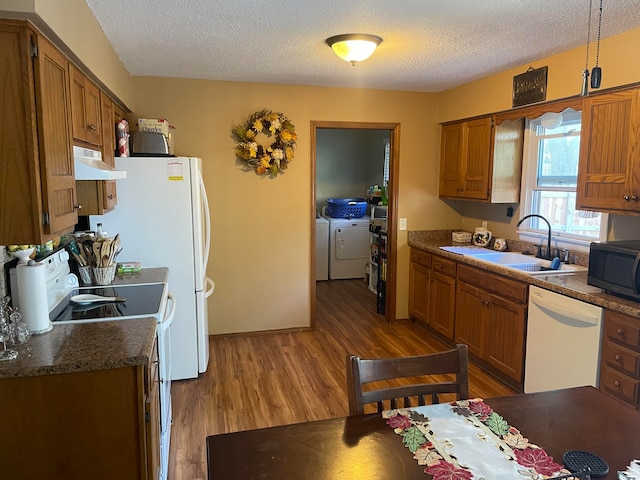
(86, 275)
(104, 275)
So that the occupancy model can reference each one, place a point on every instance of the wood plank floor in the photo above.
(267, 380)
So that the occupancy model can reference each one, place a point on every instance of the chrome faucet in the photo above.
(547, 256)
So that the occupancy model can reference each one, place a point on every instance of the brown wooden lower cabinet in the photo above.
(419, 285)
(432, 288)
(470, 319)
(419, 280)
(442, 298)
(464, 304)
(505, 335)
(491, 318)
(620, 362)
(100, 424)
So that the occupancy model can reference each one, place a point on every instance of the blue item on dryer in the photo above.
(346, 207)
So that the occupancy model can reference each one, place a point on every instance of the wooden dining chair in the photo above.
(361, 372)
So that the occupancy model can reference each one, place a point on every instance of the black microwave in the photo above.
(614, 266)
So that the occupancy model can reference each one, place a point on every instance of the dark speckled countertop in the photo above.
(573, 285)
(83, 347)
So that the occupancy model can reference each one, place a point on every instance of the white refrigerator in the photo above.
(163, 220)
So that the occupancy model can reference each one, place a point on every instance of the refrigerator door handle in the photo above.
(207, 223)
(211, 286)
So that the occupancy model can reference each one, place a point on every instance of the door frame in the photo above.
(392, 210)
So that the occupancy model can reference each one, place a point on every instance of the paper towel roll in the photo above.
(34, 306)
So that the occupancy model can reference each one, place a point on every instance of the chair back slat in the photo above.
(365, 371)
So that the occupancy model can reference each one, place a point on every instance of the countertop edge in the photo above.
(571, 285)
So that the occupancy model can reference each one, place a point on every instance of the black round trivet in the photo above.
(576, 460)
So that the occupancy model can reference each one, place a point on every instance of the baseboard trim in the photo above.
(260, 333)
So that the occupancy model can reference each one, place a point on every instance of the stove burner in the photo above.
(141, 300)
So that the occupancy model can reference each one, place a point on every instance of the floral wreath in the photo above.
(274, 158)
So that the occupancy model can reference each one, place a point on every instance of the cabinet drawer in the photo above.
(442, 265)
(420, 257)
(622, 329)
(495, 283)
(619, 357)
(619, 385)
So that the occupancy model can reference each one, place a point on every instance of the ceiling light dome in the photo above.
(354, 47)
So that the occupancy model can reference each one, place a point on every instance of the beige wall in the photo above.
(261, 227)
(493, 94)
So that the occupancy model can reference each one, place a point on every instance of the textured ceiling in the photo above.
(429, 45)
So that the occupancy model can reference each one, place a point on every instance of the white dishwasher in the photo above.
(563, 342)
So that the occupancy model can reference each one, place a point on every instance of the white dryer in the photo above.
(348, 247)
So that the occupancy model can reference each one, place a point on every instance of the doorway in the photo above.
(392, 189)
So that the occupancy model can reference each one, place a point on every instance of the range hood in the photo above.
(89, 166)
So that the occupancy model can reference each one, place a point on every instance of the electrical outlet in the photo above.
(403, 224)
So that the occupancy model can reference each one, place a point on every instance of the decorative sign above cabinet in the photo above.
(530, 87)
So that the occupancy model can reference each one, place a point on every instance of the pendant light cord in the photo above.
(599, 29)
(586, 63)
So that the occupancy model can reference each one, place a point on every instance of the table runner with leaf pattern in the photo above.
(467, 440)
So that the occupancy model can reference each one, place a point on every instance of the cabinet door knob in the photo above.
(634, 198)
(110, 196)
(77, 207)
(626, 198)
(616, 383)
(620, 332)
(618, 358)
(91, 127)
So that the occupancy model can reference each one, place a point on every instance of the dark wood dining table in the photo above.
(364, 447)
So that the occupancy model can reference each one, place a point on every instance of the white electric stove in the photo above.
(141, 301)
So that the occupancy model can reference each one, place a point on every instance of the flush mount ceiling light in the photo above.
(354, 47)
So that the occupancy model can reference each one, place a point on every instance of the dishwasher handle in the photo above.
(576, 315)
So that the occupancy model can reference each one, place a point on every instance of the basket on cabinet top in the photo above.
(346, 207)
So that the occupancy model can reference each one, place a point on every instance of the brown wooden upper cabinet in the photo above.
(85, 108)
(98, 197)
(609, 171)
(37, 183)
(481, 159)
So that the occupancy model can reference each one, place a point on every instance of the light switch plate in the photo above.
(403, 224)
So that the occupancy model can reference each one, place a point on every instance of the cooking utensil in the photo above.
(97, 248)
(79, 259)
(105, 252)
(88, 254)
(115, 248)
(91, 298)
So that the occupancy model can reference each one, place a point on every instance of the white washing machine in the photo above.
(348, 247)
(322, 248)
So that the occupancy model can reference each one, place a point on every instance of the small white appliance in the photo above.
(348, 247)
(564, 336)
(163, 221)
(322, 248)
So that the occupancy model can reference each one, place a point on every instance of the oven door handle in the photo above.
(634, 275)
(169, 311)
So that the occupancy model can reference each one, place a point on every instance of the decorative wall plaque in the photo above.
(530, 87)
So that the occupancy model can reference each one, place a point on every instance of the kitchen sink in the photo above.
(526, 263)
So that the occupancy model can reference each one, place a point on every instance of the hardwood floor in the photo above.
(265, 380)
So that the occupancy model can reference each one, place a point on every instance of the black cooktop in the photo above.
(141, 300)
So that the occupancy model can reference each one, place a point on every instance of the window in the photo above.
(549, 180)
